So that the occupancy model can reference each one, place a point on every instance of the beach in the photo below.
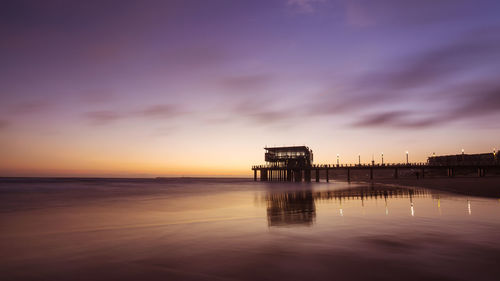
(237, 229)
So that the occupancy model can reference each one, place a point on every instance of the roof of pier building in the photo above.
(302, 148)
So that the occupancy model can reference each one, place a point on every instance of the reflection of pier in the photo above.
(370, 193)
(290, 208)
(298, 207)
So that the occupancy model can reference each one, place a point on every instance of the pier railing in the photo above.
(333, 166)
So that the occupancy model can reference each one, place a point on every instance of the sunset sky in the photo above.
(199, 88)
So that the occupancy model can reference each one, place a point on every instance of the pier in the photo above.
(294, 164)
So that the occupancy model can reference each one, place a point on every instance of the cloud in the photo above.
(396, 119)
(163, 131)
(246, 83)
(358, 15)
(362, 13)
(261, 112)
(159, 111)
(102, 117)
(304, 6)
(189, 58)
(475, 100)
(3, 124)
(445, 62)
(459, 78)
(470, 100)
(97, 96)
(30, 107)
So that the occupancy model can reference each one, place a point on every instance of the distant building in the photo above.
(289, 156)
(464, 159)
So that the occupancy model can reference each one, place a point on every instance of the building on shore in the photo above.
(464, 159)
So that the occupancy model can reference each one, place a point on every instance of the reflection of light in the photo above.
(386, 209)
(412, 211)
(468, 206)
(439, 205)
(341, 212)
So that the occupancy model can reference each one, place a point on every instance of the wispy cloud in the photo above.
(304, 6)
(397, 119)
(102, 117)
(204, 56)
(358, 15)
(245, 83)
(362, 13)
(159, 111)
(163, 131)
(97, 96)
(30, 107)
(459, 76)
(262, 112)
(3, 124)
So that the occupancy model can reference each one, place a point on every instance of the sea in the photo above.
(238, 229)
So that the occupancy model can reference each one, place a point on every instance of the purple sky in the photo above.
(133, 88)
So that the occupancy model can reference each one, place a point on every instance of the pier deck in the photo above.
(305, 173)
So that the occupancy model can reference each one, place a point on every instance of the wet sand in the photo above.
(237, 229)
(473, 186)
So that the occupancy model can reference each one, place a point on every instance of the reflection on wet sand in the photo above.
(290, 208)
(298, 207)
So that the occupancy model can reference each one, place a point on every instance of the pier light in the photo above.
(338, 159)
(407, 157)
(463, 151)
(382, 158)
(359, 159)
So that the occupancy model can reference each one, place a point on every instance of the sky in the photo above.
(199, 88)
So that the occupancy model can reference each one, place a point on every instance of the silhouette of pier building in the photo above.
(295, 163)
(286, 163)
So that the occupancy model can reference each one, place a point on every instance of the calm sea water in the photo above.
(237, 229)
